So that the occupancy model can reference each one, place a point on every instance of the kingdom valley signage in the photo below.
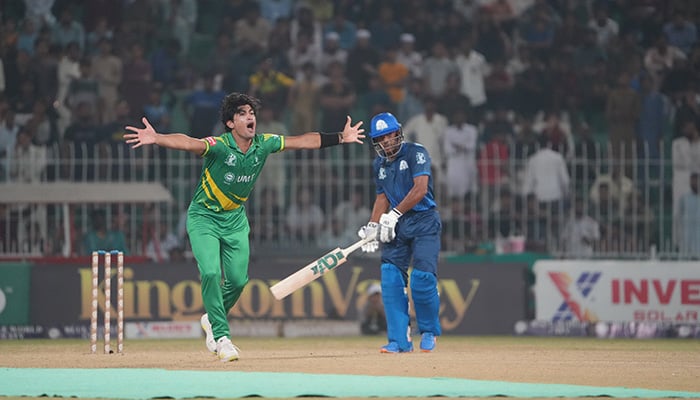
(475, 298)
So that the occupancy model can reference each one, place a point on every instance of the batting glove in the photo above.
(387, 225)
(371, 230)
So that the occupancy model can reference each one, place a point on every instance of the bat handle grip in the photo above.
(358, 244)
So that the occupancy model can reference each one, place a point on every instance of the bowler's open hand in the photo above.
(141, 136)
(353, 134)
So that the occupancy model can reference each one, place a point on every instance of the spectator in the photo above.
(267, 83)
(581, 232)
(303, 52)
(251, 32)
(346, 30)
(685, 156)
(385, 29)
(165, 62)
(333, 234)
(460, 156)
(27, 36)
(305, 218)
(353, 212)
(606, 28)
(83, 129)
(473, 70)
(8, 138)
(42, 125)
(40, 12)
(304, 99)
(274, 173)
(68, 70)
(441, 66)
(492, 163)
(619, 189)
(408, 56)
(680, 32)
(304, 21)
(332, 52)
(393, 75)
(499, 85)
(68, 30)
(689, 219)
(412, 103)
(337, 99)
(101, 237)
(266, 219)
(372, 316)
(453, 99)
(622, 112)
(493, 42)
(660, 58)
(364, 60)
(547, 176)
(428, 129)
(107, 70)
(83, 89)
(157, 110)
(271, 10)
(651, 125)
(376, 100)
(101, 32)
(202, 107)
(161, 243)
(136, 85)
(180, 17)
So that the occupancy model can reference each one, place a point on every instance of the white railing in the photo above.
(496, 218)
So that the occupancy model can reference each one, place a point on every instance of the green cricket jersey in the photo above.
(228, 175)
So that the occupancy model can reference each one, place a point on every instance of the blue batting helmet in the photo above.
(383, 124)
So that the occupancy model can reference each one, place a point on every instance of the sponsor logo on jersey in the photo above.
(420, 158)
(230, 160)
(211, 140)
(229, 177)
(403, 165)
(382, 173)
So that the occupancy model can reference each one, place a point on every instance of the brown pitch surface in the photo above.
(672, 364)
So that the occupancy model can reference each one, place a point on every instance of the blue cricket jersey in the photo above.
(395, 178)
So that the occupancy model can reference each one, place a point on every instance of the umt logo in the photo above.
(575, 295)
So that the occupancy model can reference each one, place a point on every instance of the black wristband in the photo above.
(330, 139)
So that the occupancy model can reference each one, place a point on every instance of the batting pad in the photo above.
(159, 383)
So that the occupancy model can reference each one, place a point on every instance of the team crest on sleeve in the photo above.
(382, 173)
(403, 165)
(420, 158)
(211, 140)
(230, 160)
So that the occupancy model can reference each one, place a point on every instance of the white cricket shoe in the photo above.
(209, 341)
(226, 350)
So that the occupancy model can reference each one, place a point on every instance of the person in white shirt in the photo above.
(580, 233)
(685, 158)
(460, 155)
(473, 69)
(408, 56)
(428, 128)
(605, 27)
(546, 175)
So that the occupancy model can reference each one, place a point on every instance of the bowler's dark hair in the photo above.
(235, 100)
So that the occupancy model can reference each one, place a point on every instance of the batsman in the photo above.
(405, 219)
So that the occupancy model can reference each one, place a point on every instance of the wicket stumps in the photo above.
(108, 303)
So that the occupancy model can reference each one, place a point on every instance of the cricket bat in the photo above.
(315, 270)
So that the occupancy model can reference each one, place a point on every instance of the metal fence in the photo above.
(599, 215)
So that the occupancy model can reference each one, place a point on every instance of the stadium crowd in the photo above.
(571, 125)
